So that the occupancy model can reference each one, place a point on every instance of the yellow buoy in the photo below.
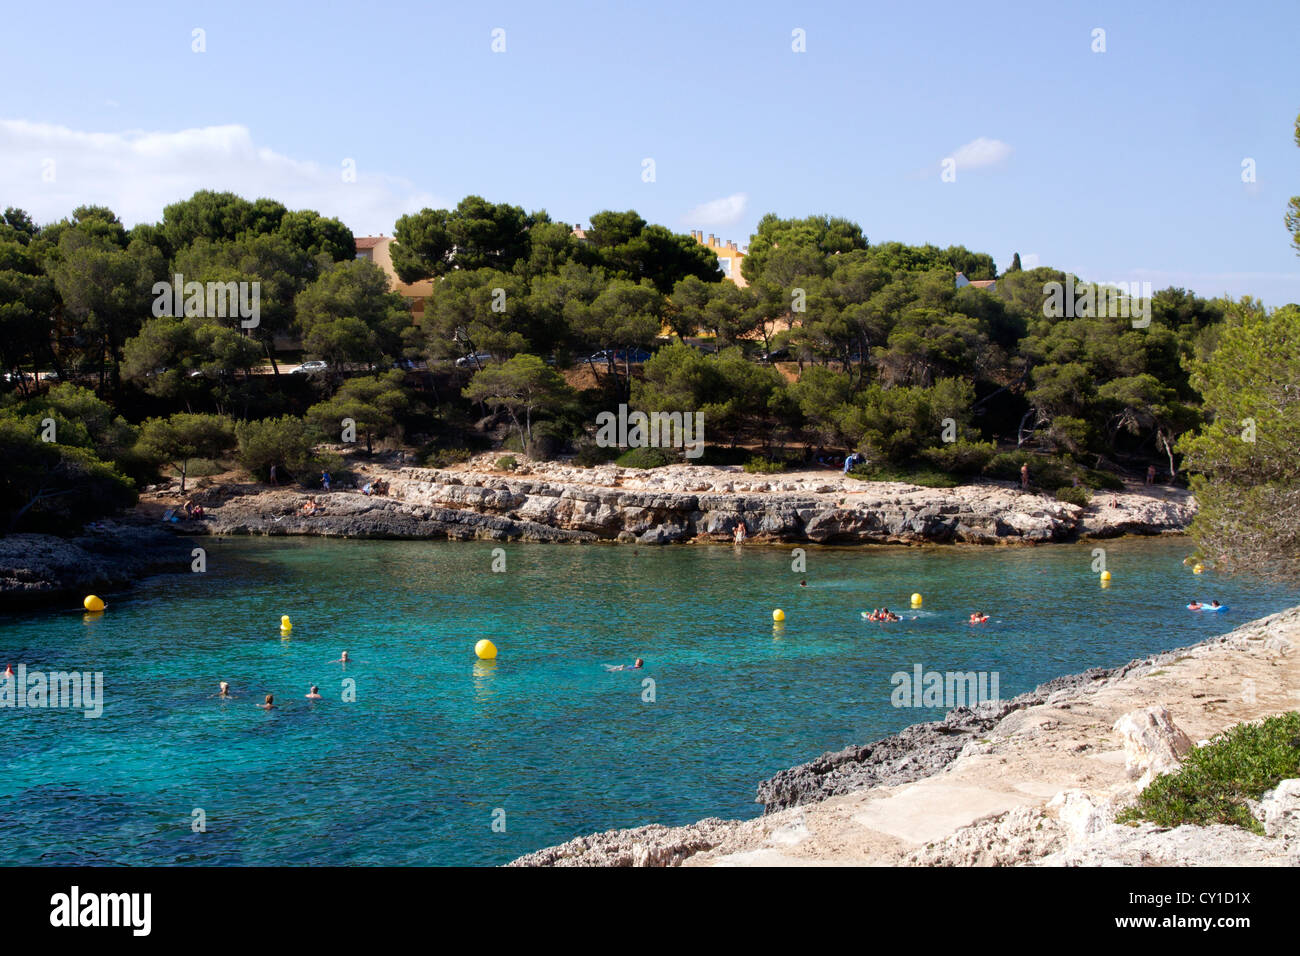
(778, 615)
(1105, 575)
(285, 623)
(486, 650)
(916, 600)
(93, 603)
(1198, 569)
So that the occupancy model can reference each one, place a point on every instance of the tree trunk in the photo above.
(1020, 432)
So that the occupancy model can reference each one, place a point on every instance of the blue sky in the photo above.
(1119, 165)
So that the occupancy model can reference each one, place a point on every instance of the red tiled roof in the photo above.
(982, 283)
(369, 242)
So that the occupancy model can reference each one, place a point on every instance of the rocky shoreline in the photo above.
(1036, 780)
(38, 570)
(556, 502)
(553, 502)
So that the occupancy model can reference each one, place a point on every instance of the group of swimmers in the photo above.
(1197, 605)
(882, 614)
(978, 617)
(223, 691)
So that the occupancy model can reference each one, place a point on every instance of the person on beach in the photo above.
(270, 703)
(627, 667)
(1024, 476)
(1151, 474)
(274, 480)
(740, 533)
(325, 480)
(314, 693)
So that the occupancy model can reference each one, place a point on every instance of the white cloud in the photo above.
(136, 173)
(980, 152)
(718, 212)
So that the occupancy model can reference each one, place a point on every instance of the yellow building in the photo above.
(378, 249)
(730, 256)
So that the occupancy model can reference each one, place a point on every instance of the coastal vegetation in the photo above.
(1215, 781)
(532, 328)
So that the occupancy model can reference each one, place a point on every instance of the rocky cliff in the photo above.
(555, 502)
(39, 569)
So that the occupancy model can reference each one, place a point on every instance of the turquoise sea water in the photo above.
(437, 746)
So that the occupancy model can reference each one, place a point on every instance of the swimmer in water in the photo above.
(9, 670)
(343, 660)
(627, 667)
(224, 693)
(803, 584)
(314, 694)
(270, 703)
(1194, 606)
(1214, 604)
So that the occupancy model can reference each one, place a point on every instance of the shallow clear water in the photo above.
(436, 744)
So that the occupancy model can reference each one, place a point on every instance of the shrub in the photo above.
(925, 477)
(442, 457)
(961, 457)
(1215, 781)
(764, 466)
(1044, 472)
(644, 458)
(590, 455)
(287, 442)
(47, 486)
(1074, 496)
(507, 463)
(1101, 480)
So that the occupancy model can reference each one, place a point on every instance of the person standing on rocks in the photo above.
(1024, 476)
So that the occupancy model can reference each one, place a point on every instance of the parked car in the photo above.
(309, 368)
(475, 360)
(620, 355)
(776, 355)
